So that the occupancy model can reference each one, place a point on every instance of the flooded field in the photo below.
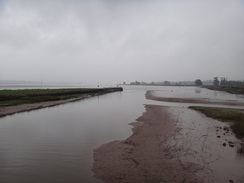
(56, 144)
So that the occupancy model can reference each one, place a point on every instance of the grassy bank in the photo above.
(233, 90)
(224, 114)
(28, 96)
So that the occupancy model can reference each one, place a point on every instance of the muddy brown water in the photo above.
(56, 144)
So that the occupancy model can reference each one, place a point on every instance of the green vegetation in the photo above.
(216, 81)
(229, 89)
(225, 82)
(198, 82)
(241, 149)
(224, 114)
(16, 97)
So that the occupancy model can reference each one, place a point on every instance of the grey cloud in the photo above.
(111, 41)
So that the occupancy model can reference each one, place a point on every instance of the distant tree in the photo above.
(178, 83)
(137, 83)
(167, 83)
(198, 82)
(216, 81)
(223, 81)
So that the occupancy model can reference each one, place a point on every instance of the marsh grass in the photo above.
(17, 97)
(229, 89)
(224, 114)
(241, 149)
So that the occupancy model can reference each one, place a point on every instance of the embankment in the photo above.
(27, 100)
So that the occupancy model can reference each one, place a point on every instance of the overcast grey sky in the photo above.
(111, 41)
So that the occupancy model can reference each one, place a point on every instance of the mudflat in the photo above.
(146, 155)
(172, 144)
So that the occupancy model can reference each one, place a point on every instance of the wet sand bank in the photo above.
(208, 143)
(146, 155)
(150, 96)
(172, 144)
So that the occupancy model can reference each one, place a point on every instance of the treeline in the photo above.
(197, 82)
(28, 96)
(164, 83)
(224, 82)
(169, 83)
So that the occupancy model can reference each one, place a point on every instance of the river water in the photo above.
(56, 144)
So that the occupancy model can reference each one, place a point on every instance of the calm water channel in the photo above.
(56, 144)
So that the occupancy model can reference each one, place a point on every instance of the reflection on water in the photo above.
(198, 90)
(56, 144)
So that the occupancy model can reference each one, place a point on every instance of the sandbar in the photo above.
(146, 155)
(150, 96)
